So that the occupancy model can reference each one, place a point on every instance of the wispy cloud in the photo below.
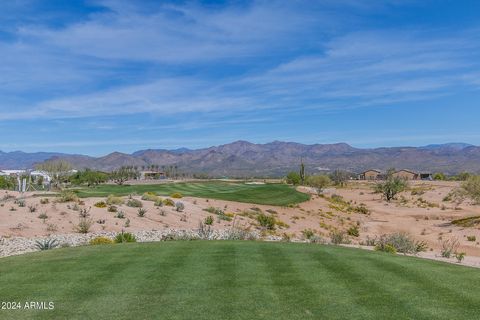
(229, 64)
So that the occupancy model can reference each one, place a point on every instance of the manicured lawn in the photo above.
(270, 194)
(236, 280)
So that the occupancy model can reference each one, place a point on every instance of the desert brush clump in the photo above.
(150, 196)
(141, 212)
(266, 221)
(124, 237)
(134, 203)
(100, 240)
(339, 237)
(67, 196)
(402, 242)
(208, 220)
(205, 231)
(449, 247)
(83, 225)
(353, 231)
(114, 200)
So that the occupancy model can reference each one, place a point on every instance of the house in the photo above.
(152, 175)
(406, 174)
(371, 174)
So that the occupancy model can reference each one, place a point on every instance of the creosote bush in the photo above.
(114, 200)
(67, 196)
(150, 196)
(402, 243)
(266, 221)
(134, 203)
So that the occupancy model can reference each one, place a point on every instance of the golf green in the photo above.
(268, 194)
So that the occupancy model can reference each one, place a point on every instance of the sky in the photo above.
(97, 76)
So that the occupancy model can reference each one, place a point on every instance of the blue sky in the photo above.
(94, 77)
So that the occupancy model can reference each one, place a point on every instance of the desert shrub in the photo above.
(293, 177)
(449, 247)
(467, 222)
(361, 209)
(179, 206)
(134, 203)
(120, 215)
(210, 209)
(235, 233)
(114, 200)
(43, 216)
(402, 243)
(319, 182)
(266, 221)
(100, 204)
(44, 201)
(308, 233)
(316, 239)
(471, 187)
(168, 202)
(67, 196)
(46, 244)
(83, 225)
(176, 195)
(141, 212)
(150, 196)
(100, 240)
(471, 238)
(204, 231)
(101, 221)
(391, 187)
(158, 202)
(84, 213)
(353, 231)
(127, 223)
(32, 208)
(21, 203)
(124, 237)
(208, 220)
(386, 248)
(112, 208)
(460, 256)
(338, 237)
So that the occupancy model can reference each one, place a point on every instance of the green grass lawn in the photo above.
(236, 280)
(269, 194)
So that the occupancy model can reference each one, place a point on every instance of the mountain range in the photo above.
(245, 159)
